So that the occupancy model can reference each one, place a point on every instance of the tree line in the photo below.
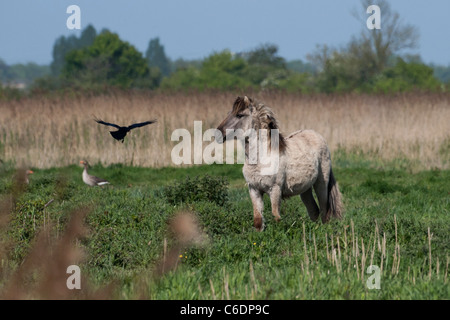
(372, 62)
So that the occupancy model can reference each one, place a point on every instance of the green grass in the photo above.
(292, 259)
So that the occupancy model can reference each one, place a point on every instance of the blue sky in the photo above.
(196, 28)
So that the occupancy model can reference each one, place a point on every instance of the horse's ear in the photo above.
(271, 122)
(248, 101)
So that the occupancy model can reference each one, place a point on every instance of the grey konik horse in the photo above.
(302, 158)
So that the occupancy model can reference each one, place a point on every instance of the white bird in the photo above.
(90, 179)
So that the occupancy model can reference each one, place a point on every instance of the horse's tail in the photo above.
(335, 208)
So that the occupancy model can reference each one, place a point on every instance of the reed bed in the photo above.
(44, 132)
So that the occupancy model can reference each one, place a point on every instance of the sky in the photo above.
(193, 29)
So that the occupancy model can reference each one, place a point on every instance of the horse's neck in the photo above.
(262, 148)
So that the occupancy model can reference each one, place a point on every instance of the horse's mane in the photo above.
(265, 115)
(241, 104)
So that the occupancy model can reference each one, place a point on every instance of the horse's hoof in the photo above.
(259, 226)
(260, 229)
(258, 223)
(325, 219)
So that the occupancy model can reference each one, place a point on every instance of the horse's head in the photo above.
(246, 115)
(239, 118)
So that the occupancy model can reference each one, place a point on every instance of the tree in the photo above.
(87, 37)
(266, 55)
(259, 68)
(264, 64)
(442, 73)
(5, 72)
(300, 66)
(220, 70)
(181, 63)
(182, 79)
(27, 73)
(63, 45)
(358, 64)
(407, 76)
(108, 61)
(393, 37)
(157, 58)
(223, 71)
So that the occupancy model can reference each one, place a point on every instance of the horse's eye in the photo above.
(239, 116)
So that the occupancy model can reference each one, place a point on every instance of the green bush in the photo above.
(10, 93)
(406, 77)
(297, 82)
(200, 188)
(218, 71)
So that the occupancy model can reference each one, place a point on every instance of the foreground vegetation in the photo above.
(395, 219)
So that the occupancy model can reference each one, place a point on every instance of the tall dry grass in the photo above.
(47, 132)
(43, 272)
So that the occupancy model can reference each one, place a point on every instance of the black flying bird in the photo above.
(122, 131)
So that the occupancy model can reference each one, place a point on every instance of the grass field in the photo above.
(394, 219)
(129, 243)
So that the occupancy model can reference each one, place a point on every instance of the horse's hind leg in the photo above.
(321, 189)
(310, 204)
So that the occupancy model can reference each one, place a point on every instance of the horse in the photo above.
(303, 163)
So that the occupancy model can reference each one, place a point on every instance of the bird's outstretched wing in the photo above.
(141, 124)
(106, 123)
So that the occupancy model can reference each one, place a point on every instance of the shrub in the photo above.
(407, 76)
(200, 188)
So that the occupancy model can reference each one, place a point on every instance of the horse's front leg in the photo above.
(275, 200)
(258, 206)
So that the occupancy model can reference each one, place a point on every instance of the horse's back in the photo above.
(306, 153)
(306, 141)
